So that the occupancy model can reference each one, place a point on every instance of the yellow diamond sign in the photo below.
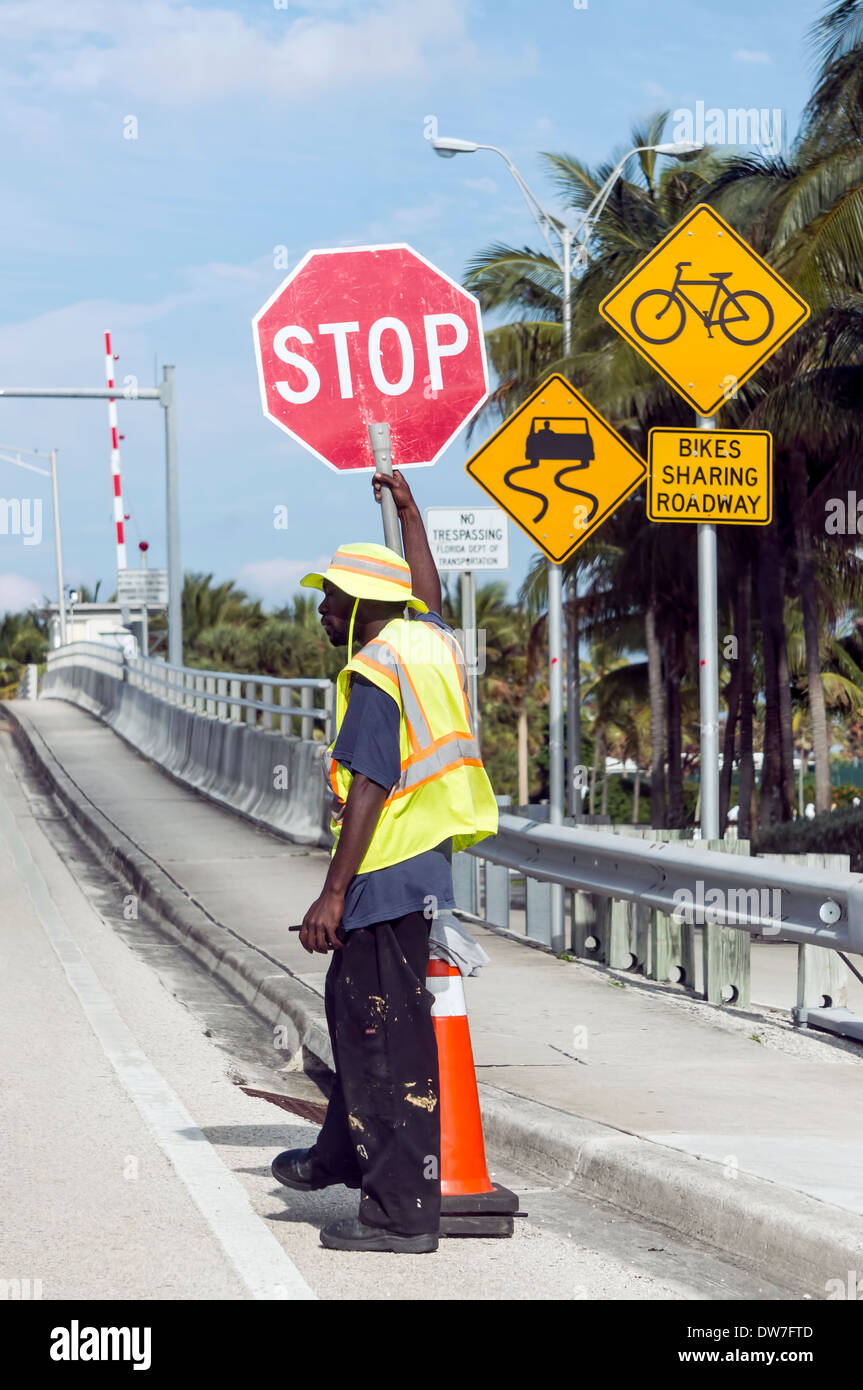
(557, 468)
(704, 309)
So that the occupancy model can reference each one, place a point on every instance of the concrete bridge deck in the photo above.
(727, 1125)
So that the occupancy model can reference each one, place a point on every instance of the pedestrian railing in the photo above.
(642, 901)
(296, 706)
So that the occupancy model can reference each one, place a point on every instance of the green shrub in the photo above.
(835, 832)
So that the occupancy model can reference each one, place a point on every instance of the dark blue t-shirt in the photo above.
(368, 743)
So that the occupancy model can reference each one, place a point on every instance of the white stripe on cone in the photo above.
(449, 996)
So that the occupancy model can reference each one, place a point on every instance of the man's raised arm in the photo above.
(424, 576)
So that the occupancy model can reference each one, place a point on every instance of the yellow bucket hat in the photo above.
(369, 571)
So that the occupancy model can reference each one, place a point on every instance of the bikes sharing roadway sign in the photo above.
(370, 334)
(711, 476)
(557, 468)
(704, 310)
(468, 538)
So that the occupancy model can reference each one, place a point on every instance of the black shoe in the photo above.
(353, 1234)
(297, 1168)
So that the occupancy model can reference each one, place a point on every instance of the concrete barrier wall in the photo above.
(275, 780)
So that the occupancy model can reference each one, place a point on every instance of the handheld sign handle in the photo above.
(379, 435)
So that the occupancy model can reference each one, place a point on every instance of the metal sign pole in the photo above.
(708, 640)
(58, 544)
(555, 735)
(468, 622)
(379, 434)
(145, 612)
(172, 510)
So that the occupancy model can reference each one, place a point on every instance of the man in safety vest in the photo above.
(409, 787)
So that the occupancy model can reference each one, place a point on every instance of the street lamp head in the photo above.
(677, 147)
(448, 147)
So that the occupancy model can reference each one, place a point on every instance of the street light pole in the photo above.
(58, 546)
(172, 514)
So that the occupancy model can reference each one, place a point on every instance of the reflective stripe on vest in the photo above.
(440, 762)
(430, 757)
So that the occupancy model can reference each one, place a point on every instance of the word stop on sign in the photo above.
(387, 351)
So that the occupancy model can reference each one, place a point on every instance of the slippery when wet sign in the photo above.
(711, 476)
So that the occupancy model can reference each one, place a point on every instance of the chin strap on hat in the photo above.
(351, 630)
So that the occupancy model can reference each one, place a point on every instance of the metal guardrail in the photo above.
(815, 906)
(649, 906)
(267, 702)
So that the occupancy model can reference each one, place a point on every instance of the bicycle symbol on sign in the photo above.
(743, 307)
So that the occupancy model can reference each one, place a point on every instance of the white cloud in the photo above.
(160, 49)
(279, 579)
(18, 593)
(409, 221)
(749, 55)
(653, 89)
(481, 185)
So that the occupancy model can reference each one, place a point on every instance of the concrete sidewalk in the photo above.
(728, 1126)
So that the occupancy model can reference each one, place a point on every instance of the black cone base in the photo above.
(479, 1213)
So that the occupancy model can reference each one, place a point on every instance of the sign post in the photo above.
(468, 539)
(706, 312)
(379, 434)
(559, 470)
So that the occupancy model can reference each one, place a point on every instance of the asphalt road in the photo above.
(133, 1166)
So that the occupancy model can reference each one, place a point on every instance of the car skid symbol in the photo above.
(573, 447)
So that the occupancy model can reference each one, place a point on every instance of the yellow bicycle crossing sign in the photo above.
(704, 309)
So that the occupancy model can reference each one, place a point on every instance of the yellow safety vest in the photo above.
(444, 789)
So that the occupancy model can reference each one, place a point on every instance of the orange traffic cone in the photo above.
(471, 1204)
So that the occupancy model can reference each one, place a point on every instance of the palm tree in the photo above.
(207, 606)
(806, 216)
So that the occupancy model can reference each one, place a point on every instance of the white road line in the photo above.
(262, 1264)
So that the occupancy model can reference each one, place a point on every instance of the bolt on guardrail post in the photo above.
(726, 950)
(672, 944)
(822, 976)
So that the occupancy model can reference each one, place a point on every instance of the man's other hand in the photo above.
(402, 495)
(321, 923)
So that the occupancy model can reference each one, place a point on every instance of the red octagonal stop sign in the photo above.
(368, 334)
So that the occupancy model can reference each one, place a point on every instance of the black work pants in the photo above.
(382, 1130)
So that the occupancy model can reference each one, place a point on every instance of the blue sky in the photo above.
(301, 125)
